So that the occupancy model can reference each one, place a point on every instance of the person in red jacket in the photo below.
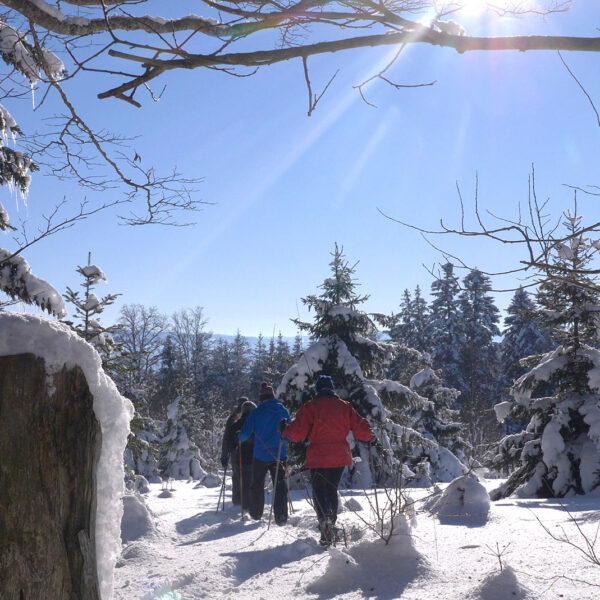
(326, 421)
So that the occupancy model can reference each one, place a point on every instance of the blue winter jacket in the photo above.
(262, 422)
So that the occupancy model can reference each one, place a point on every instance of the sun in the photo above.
(476, 6)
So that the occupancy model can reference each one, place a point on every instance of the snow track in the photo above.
(190, 552)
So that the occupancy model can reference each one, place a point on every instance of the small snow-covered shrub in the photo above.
(464, 497)
(501, 585)
(137, 521)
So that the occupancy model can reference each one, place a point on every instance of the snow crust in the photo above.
(59, 346)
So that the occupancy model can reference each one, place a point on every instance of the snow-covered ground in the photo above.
(180, 548)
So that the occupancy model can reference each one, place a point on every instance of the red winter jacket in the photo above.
(326, 422)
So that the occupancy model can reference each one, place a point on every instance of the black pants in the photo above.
(256, 504)
(325, 488)
(246, 484)
(235, 479)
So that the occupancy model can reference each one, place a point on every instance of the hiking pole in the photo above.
(287, 484)
(222, 492)
(275, 481)
(241, 479)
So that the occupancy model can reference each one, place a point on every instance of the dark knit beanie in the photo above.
(266, 391)
(324, 383)
(248, 407)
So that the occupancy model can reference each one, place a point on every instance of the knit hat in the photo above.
(240, 401)
(248, 407)
(266, 391)
(324, 382)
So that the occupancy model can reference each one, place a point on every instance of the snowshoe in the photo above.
(329, 533)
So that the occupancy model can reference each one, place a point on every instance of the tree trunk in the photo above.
(49, 446)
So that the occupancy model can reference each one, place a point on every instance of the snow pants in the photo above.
(325, 491)
(235, 479)
(256, 502)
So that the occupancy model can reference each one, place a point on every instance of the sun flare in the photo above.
(476, 6)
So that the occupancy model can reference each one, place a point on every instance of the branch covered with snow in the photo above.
(17, 280)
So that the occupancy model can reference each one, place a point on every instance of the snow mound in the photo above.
(211, 480)
(137, 520)
(141, 484)
(376, 568)
(464, 497)
(502, 585)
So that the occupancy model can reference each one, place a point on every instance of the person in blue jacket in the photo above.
(270, 454)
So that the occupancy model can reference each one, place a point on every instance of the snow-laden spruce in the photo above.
(162, 450)
(558, 454)
(59, 346)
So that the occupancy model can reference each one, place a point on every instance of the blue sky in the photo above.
(286, 187)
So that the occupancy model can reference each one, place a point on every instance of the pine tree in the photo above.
(445, 328)
(258, 367)
(88, 307)
(411, 329)
(523, 337)
(421, 330)
(478, 358)
(559, 452)
(240, 366)
(221, 371)
(169, 380)
(181, 458)
(298, 347)
(437, 420)
(401, 322)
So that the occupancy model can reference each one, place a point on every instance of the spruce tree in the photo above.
(88, 307)
(445, 327)
(523, 337)
(181, 457)
(421, 330)
(239, 351)
(558, 454)
(258, 363)
(478, 358)
(170, 379)
(437, 420)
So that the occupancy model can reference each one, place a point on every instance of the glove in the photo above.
(281, 425)
(224, 461)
